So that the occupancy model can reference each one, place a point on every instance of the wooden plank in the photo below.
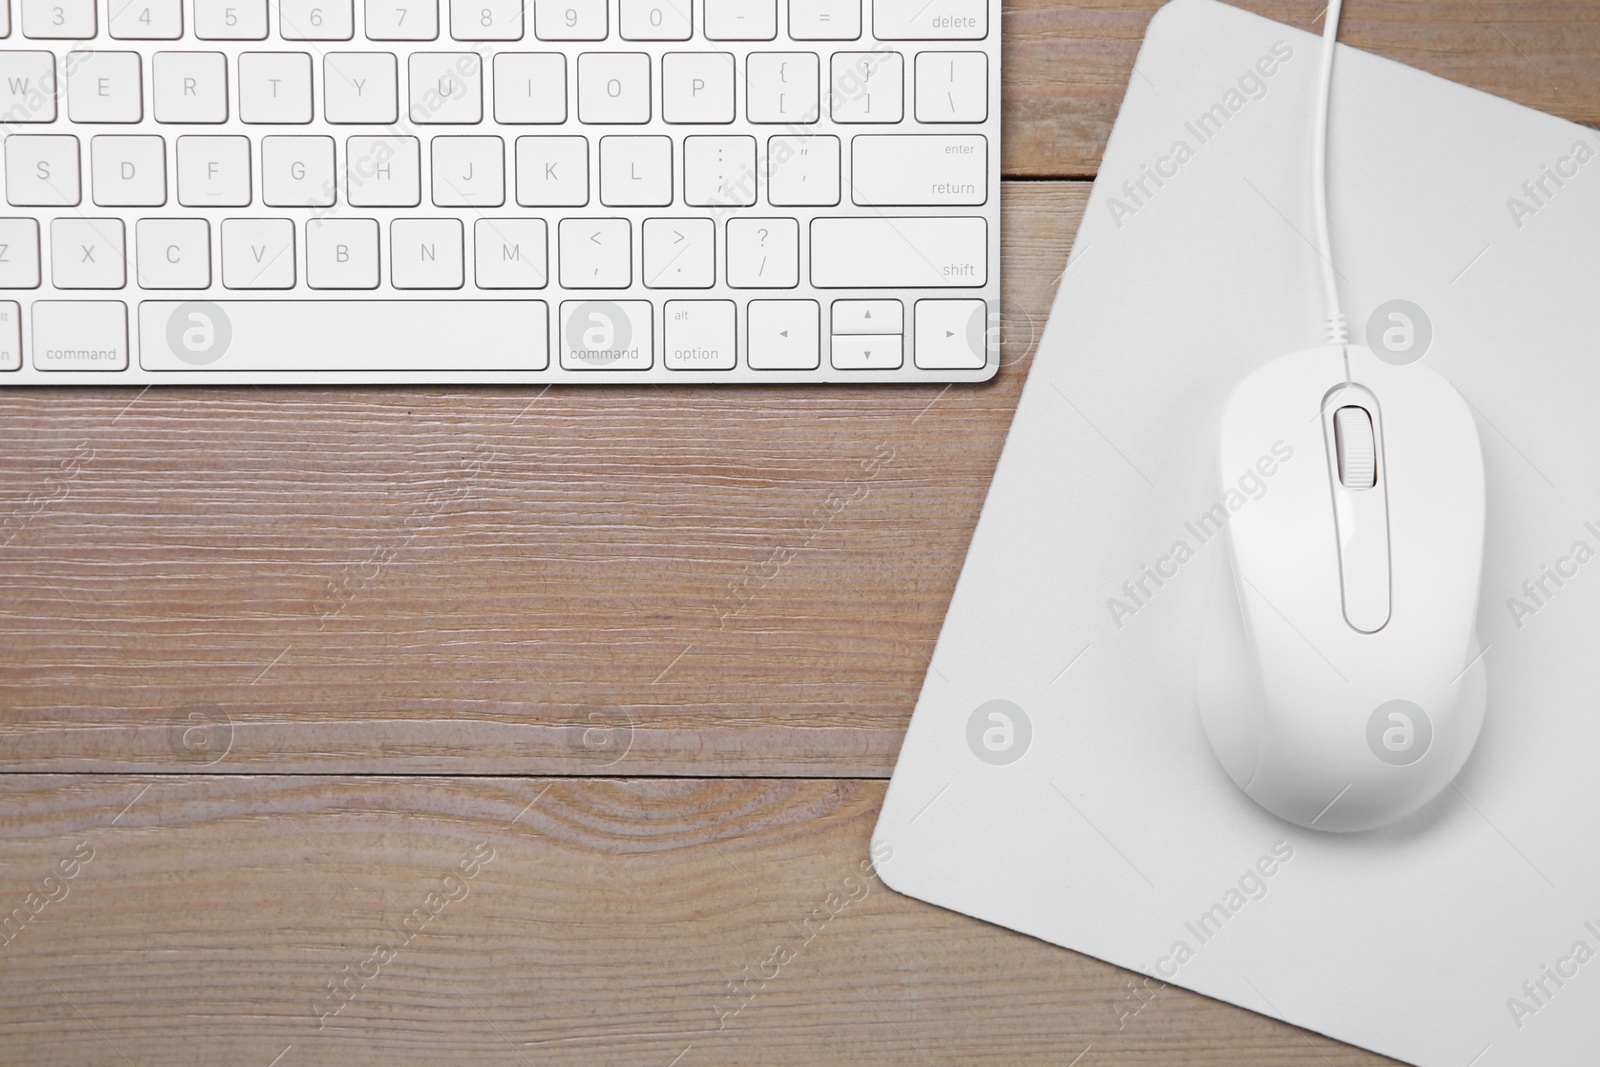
(625, 921)
(1066, 65)
(740, 580)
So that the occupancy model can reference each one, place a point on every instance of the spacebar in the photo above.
(344, 335)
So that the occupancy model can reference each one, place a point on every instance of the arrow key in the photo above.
(783, 335)
(868, 351)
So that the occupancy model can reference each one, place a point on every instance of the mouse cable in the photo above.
(1337, 332)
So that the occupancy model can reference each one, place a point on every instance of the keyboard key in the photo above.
(803, 171)
(71, 20)
(28, 86)
(214, 171)
(700, 335)
(80, 335)
(104, 87)
(763, 253)
(230, 20)
(10, 335)
(19, 254)
(402, 20)
(656, 20)
(552, 171)
(868, 351)
(596, 253)
(680, 253)
(511, 253)
(741, 20)
(530, 87)
(781, 87)
(636, 171)
(316, 20)
(342, 253)
(607, 335)
(697, 87)
(359, 88)
(190, 86)
(930, 20)
(87, 254)
(297, 172)
(425, 254)
(275, 87)
(868, 87)
(952, 334)
(42, 170)
(952, 87)
(383, 171)
(146, 20)
(173, 253)
(614, 87)
(570, 20)
(469, 172)
(868, 316)
(824, 20)
(895, 253)
(486, 20)
(782, 335)
(719, 171)
(364, 336)
(257, 253)
(446, 88)
(920, 169)
(128, 171)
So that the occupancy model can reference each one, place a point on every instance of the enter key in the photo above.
(919, 170)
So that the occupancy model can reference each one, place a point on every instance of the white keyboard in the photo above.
(480, 191)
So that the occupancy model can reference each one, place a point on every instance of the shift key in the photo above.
(899, 253)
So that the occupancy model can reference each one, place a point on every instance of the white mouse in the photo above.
(1341, 680)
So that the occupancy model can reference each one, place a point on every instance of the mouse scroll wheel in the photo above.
(1358, 451)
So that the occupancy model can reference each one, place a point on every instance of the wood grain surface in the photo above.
(724, 581)
(705, 612)
(484, 921)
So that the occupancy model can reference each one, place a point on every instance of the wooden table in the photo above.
(525, 727)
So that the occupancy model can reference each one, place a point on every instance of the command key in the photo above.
(80, 335)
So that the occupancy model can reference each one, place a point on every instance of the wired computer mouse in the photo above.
(1341, 681)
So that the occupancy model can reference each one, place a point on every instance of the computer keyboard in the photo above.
(466, 191)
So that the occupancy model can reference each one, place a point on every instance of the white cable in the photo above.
(1337, 333)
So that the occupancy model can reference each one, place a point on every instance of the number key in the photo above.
(58, 19)
(571, 20)
(147, 20)
(316, 20)
(656, 20)
(230, 20)
(486, 20)
(402, 20)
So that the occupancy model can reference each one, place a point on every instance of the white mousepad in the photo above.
(1086, 808)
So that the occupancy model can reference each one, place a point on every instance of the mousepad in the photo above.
(1055, 779)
